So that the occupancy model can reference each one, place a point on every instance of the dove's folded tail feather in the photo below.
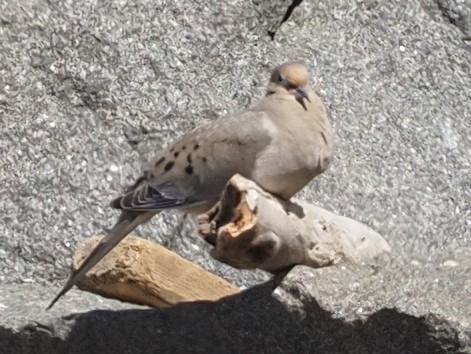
(127, 222)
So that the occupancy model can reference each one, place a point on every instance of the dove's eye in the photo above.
(281, 79)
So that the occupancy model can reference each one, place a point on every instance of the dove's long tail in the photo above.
(127, 222)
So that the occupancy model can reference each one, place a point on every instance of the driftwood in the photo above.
(249, 228)
(143, 272)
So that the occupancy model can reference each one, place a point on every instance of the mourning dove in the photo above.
(281, 143)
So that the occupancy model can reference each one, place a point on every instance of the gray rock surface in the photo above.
(88, 89)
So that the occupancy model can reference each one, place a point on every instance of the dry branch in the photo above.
(145, 273)
(249, 228)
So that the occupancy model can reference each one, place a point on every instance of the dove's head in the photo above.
(290, 79)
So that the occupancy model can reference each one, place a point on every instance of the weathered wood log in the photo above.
(143, 272)
(249, 228)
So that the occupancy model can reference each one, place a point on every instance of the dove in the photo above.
(280, 142)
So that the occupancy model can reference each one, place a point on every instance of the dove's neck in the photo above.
(276, 100)
(278, 94)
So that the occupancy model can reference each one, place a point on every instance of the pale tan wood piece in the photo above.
(143, 272)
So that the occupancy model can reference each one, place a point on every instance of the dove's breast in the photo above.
(300, 150)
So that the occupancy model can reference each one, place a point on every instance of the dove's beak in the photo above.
(302, 93)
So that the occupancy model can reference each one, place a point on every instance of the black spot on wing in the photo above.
(159, 161)
(189, 169)
(188, 158)
(196, 147)
(169, 166)
(175, 154)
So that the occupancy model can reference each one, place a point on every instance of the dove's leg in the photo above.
(279, 276)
